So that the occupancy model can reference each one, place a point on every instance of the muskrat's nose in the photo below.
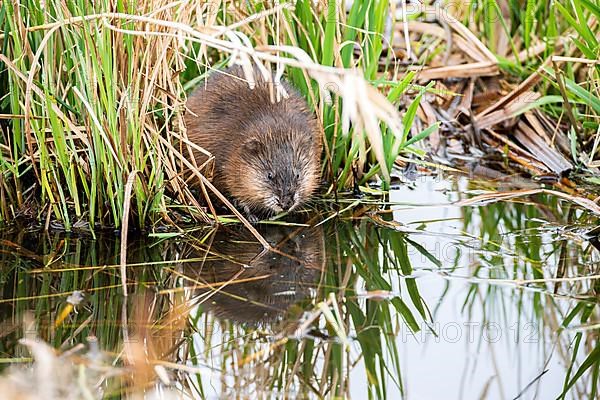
(287, 202)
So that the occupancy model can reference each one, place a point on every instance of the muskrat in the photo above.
(267, 153)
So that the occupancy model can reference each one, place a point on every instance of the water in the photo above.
(418, 299)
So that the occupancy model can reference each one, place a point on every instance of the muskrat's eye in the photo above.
(270, 176)
(297, 176)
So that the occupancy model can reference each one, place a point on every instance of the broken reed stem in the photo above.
(124, 229)
(244, 221)
(203, 180)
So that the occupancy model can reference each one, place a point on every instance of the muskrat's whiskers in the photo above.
(310, 206)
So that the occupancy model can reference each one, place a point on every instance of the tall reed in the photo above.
(94, 99)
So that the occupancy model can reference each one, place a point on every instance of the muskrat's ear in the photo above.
(253, 146)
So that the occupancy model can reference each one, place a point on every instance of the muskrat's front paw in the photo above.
(253, 219)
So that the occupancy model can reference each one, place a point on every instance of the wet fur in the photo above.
(267, 155)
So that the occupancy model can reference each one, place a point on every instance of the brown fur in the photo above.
(267, 154)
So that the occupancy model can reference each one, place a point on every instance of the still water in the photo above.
(420, 298)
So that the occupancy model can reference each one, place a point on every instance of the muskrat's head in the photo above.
(279, 168)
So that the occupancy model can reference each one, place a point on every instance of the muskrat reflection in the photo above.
(247, 284)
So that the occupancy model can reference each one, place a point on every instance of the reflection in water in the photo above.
(371, 305)
(244, 283)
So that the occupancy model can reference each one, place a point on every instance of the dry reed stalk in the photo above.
(146, 81)
(363, 101)
(501, 196)
(124, 230)
(448, 28)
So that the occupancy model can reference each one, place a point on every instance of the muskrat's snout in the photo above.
(287, 201)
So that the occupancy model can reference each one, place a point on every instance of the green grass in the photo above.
(86, 107)
(89, 114)
(568, 29)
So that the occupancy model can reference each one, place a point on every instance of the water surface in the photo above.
(419, 299)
